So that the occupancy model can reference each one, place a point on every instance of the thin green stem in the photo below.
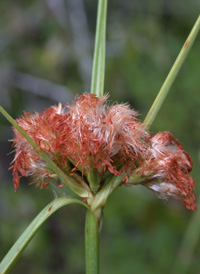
(91, 243)
(81, 189)
(17, 249)
(172, 75)
(101, 197)
(188, 245)
(98, 70)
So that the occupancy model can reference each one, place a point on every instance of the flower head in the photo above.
(167, 167)
(111, 139)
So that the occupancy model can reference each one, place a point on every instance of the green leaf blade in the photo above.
(98, 70)
(172, 75)
(16, 250)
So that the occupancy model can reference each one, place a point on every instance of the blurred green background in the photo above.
(46, 50)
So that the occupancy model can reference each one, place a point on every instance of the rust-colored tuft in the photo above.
(111, 139)
(167, 167)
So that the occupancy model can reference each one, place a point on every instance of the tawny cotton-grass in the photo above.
(109, 137)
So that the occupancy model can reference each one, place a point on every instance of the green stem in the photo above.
(91, 243)
(16, 250)
(101, 197)
(98, 70)
(188, 245)
(172, 75)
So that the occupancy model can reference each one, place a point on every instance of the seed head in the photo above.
(110, 139)
(167, 167)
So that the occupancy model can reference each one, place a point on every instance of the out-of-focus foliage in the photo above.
(46, 56)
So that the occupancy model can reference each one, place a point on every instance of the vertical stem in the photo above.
(98, 70)
(188, 245)
(91, 243)
(172, 75)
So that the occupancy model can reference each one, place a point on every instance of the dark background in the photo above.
(46, 50)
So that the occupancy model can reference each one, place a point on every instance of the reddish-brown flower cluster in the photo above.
(166, 169)
(111, 138)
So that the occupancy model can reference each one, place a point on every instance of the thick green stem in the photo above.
(98, 70)
(171, 76)
(91, 243)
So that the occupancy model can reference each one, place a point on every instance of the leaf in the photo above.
(98, 70)
(172, 76)
(16, 250)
